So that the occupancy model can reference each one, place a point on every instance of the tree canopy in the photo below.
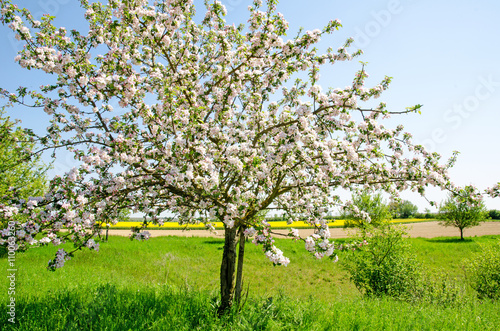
(22, 174)
(205, 120)
(367, 208)
(463, 210)
(403, 209)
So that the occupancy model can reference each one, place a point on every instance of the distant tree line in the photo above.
(494, 214)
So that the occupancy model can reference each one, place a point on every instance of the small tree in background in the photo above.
(463, 210)
(366, 208)
(22, 174)
(403, 209)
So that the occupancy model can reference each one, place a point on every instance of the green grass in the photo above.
(170, 283)
(107, 307)
(181, 261)
(446, 254)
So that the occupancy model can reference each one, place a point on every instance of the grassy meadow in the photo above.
(171, 283)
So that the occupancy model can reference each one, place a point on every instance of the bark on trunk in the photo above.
(239, 272)
(462, 234)
(227, 270)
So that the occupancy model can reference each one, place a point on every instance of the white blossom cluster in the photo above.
(494, 191)
(60, 258)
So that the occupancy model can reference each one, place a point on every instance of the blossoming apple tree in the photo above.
(206, 121)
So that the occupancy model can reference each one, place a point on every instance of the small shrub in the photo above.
(483, 271)
(385, 265)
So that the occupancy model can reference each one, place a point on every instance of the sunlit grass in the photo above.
(195, 261)
(171, 283)
(108, 307)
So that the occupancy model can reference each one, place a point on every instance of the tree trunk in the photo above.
(227, 270)
(461, 234)
(239, 272)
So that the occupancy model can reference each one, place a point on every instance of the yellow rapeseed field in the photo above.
(274, 224)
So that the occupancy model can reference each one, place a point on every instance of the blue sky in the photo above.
(442, 54)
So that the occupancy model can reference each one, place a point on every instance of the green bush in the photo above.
(483, 271)
(494, 214)
(383, 264)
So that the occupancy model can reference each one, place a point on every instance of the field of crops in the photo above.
(274, 224)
